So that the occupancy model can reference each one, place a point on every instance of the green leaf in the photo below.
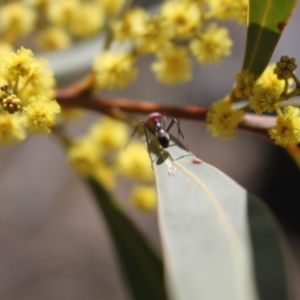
(267, 19)
(267, 250)
(141, 266)
(219, 242)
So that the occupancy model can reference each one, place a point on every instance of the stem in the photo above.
(278, 111)
(80, 88)
(231, 97)
(115, 107)
(296, 80)
(292, 94)
(286, 85)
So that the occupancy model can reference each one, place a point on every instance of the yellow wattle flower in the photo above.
(41, 114)
(114, 70)
(143, 197)
(222, 120)
(287, 129)
(172, 65)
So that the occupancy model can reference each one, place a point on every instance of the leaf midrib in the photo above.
(263, 22)
(239, 259)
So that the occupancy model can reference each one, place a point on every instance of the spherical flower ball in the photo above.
(143, 197)
(109, 134)
(41, 114)
(172, 65)
(114, 70)
(244, 84)
(222, 120)
(269, 79)
(263, 99)
(135, 163)
(16, 20)
(53, 38)
(83, 157)
(182, 17)
(213, 45)
(287, 129)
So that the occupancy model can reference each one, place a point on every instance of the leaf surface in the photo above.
(267, 19)
(141, 266)
(211, 247)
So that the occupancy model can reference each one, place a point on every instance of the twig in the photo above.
(115, 107)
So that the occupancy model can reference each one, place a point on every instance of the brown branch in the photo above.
(115, 106)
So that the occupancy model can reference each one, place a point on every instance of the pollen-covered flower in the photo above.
(111, 8)
(63, 12)
(109, 134)
(287, 128)
(228, 10)
(245, 82)
(16, 20)
(41, 114)
(26, 90)
(105, 174)
(86, 21)
(83, 157)
(172, 65)
(263, 99)
(181, 17)
(222, 120)
(242, 11)
(11, 129)
(25, 75)
(17, 64)
(269, 79)
(114, 70)
(133, 21)
(39, 81)
(53, 38)
(213, 45)
(143, 197)
(152, 35)
(135, 162)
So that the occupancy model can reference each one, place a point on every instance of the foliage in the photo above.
(218, 238)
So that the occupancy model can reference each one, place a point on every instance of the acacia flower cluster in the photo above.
(229, 9)
(222, 120)
(26, 96)
(54, 25)
(175, 33)
(287, 129)
(264, 95)
(114, 70)
(100, 154)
